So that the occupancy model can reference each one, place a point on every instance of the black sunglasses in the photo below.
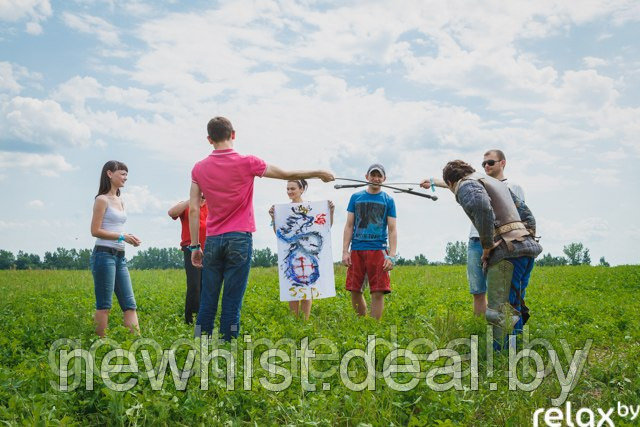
(489, 162)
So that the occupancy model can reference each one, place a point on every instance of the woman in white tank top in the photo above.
(108, 264)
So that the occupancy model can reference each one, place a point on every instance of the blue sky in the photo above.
(334, 85)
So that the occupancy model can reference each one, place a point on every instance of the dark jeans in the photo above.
(227, 258)
(194, 278)
(522, 267)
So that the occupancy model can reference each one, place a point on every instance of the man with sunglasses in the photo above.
(493, 163)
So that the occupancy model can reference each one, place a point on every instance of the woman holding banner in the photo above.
(295, 189)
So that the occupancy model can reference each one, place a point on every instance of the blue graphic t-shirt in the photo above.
(370, 224)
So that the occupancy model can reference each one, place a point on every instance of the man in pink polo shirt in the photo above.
(226, 180)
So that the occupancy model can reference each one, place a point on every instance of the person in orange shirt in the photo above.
(194, 275)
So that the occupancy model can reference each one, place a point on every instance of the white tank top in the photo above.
(113, 220)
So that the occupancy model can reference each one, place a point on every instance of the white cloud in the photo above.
(605, 177)
(16, 10)
(629, 13)
(8, 82)
(604, 36)
(138, 8)
(37, 204)
(138, 199)
(77, 90)
(33, 28)
(592, 228)
(12, 74)
(587, 88)
(615, 155)
(41, 123)
(594, 62)
(44, 164)
(106, 32)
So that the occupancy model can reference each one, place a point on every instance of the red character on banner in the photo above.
(321, 219)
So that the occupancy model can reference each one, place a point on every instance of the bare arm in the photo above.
(346, 239)
(195, 197)
(277, 173)
(393, 242)
(177, 209)
(99, 208)
(272, 212)
(393, 236)
(332, 208)
(426, 183)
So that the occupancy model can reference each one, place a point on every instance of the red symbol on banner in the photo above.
(321, 219)
(301, 268)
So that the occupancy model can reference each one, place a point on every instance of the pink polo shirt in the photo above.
(226, 180)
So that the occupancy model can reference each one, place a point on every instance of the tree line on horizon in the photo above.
(167, 258)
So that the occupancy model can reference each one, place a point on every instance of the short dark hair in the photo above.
(499, 153)
(455, 170)
(219, 129)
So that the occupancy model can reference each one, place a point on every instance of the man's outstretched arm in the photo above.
(437, 182)
(277, 173)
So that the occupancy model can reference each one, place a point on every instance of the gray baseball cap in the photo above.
(376, 167)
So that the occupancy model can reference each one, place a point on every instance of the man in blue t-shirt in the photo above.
(371, 213)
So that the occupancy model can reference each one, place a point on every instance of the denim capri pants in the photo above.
(110, 274)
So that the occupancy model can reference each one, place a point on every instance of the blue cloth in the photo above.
(227, 258)
(110, 274)
(522, 267)
(370, 220)
(475, 274)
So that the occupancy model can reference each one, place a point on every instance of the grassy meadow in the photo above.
(430, 304)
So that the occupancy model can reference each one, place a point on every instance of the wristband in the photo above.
(393, 259)
(121, 238)
(194, 247)
(433, 184)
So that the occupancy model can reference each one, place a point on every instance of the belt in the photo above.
(517, 225)
(477, 239)
(112, 251)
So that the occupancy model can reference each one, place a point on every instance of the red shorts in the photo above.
(368, 266)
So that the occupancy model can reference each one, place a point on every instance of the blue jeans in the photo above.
(110, 274)
(522, 267)
(475, 275)
(227, 258)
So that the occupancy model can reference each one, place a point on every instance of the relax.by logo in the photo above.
(556, 417)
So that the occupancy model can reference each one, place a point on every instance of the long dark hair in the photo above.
(105, 181)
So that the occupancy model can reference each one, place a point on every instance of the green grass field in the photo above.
(573, 304)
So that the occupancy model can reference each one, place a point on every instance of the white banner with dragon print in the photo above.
(305, 263)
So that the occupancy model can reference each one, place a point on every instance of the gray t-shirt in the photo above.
(516, 189)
